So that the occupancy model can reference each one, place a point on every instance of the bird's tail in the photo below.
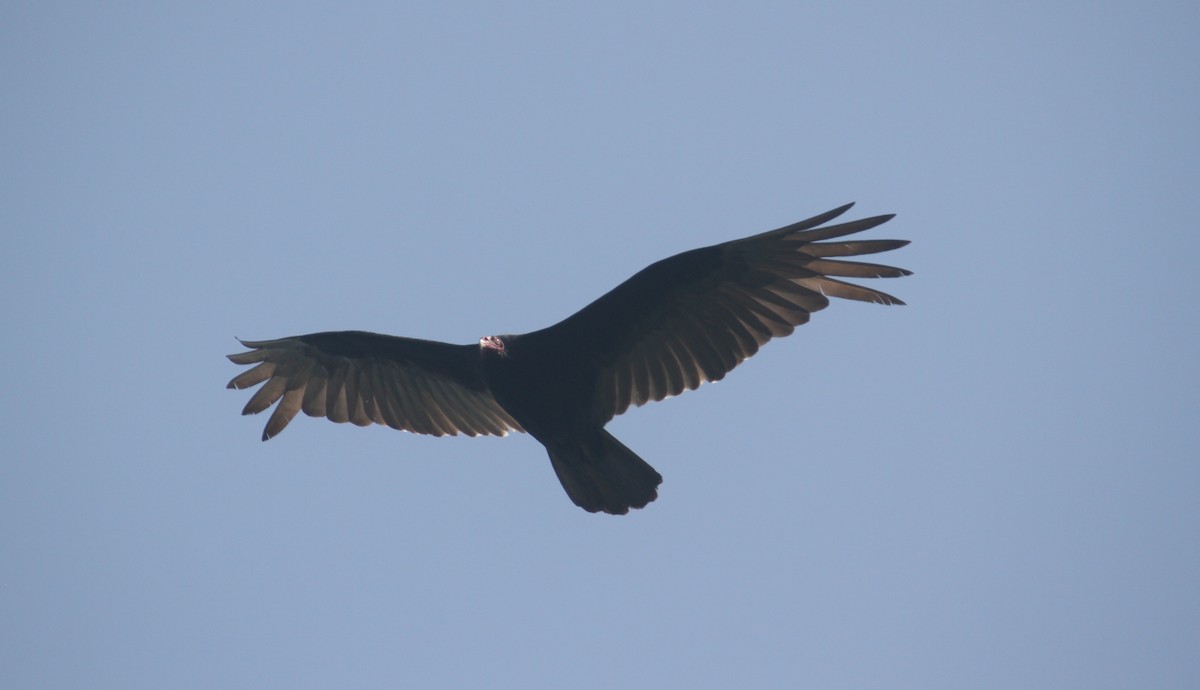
(600, 474)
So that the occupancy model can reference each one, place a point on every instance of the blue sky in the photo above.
(992, 487)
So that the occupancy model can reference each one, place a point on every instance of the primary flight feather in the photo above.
(674, 325)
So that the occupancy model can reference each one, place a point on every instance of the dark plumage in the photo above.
(672, 326)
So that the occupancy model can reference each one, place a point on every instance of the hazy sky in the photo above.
(995, 486)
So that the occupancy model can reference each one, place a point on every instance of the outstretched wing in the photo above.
(693, 317)
(421, 386)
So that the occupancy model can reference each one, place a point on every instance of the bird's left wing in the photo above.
(421, 386)
(694, 316)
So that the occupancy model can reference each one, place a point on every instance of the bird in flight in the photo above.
(674, 325)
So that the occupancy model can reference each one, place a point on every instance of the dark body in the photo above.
(679, 322)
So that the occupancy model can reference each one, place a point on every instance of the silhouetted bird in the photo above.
(672, 326)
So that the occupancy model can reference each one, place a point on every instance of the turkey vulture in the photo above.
(671, 327)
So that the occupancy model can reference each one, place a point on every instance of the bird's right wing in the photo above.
(694, 316)
(421, 386)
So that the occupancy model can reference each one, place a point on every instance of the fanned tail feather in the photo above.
(601, 475)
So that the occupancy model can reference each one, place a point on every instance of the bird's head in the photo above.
(492, 344)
